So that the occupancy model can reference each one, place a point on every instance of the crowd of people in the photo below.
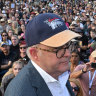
(79, 16)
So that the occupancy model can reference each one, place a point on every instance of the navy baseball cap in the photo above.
(48, 29)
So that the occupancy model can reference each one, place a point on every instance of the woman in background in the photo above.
(75, 60)
(5, 38)
(16, 67)
(10, 33)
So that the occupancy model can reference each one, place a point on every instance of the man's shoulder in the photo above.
(26, 83)
(19, 84)
(24, 72)
(27, 74)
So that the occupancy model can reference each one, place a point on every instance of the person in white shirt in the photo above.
(48, 42)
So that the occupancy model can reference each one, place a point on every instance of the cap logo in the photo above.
(54, 23)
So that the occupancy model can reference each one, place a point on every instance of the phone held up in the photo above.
(93, 65)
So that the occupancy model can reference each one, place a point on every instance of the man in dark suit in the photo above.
(46, 74)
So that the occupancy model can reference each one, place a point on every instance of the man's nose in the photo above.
(67, 53)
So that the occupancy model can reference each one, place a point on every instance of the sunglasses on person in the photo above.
(75, 88)
(22, 47)
(4, 35)
(3, 22)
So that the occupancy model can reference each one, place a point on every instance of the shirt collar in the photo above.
(48, 78)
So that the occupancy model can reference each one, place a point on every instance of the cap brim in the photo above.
(4, 44)
(60, 39)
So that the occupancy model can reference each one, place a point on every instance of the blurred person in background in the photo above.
(1, 30)
(10, 33)
(86, 74)
(74, 60)
(93, 36)
(83, 44)
(6, 58)
(1, 4)
(87, 27)
(9, 25)
(21, 34)
(5, 38)
(16, 67)
(14, 47)
(22, 53)
(3, 23)
(15, 27)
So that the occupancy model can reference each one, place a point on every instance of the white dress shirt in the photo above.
(57, 87)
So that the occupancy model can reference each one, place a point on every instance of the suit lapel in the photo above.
(69, 88)
(37, 82)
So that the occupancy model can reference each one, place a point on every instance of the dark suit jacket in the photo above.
(30, 83)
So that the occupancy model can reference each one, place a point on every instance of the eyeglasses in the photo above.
(75, 88)
(4, 35)
(59, 51)
(22, 47)
(2, 22)
(13, 39)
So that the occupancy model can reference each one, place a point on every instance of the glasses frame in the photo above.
(57, 49)
(4, 35)
(23, 47)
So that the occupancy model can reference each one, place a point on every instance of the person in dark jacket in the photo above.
(46, 74)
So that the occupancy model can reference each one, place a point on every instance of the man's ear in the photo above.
(33, 53)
